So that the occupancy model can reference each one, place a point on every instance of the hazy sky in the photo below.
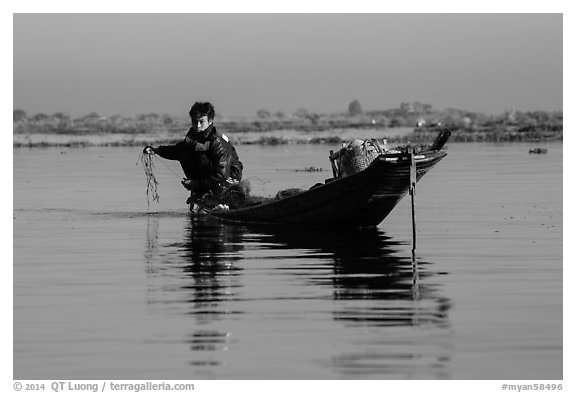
(139, 63)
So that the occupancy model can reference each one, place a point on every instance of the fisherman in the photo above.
(208, 160)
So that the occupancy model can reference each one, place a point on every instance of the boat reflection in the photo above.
(377, 289)
(367, 265)
(397, 320)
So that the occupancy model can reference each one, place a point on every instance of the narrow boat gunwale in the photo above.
(354, 191)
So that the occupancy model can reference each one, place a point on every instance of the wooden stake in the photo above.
(412, 195)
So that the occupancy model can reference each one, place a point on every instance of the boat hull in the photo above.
(362, 199)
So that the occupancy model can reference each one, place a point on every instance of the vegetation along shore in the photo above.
(409, 123)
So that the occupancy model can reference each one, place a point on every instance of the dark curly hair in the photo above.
(200, 109)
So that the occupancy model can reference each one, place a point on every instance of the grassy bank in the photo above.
(278, 137)
(412, 123)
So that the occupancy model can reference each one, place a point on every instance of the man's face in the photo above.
(202, 123)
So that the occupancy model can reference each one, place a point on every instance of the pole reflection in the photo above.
(398, 320)
(368, 265)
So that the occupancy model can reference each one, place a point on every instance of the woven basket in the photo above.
(356, 158)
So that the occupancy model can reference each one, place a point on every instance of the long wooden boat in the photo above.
(363, 199)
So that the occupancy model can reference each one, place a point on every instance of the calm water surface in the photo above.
(107, 287)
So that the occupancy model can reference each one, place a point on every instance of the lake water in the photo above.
(107, 287)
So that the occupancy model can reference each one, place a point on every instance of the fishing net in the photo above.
(151, 182)
(233, 196)
(236, 195)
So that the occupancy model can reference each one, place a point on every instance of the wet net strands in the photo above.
(151, 182)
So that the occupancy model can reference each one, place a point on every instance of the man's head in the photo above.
(201, 115)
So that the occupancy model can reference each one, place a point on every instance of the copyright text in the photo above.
(66, 386)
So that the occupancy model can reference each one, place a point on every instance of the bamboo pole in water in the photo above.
(412, 195)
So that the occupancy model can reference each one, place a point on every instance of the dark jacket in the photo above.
(206, 157)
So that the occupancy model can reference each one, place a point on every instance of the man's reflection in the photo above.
(204, 268)
(210, 252)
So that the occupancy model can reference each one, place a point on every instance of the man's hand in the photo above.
(188, 184)
(148, 150)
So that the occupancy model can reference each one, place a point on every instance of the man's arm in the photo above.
(170, 152)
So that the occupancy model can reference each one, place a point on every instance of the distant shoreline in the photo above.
(399, 135)
(410, 123)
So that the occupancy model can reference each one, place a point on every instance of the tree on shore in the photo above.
(263, 113)
(167, 120)
(19, 115)
(38, 117)
(59, 116)
(301, 113)
(355, 108)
